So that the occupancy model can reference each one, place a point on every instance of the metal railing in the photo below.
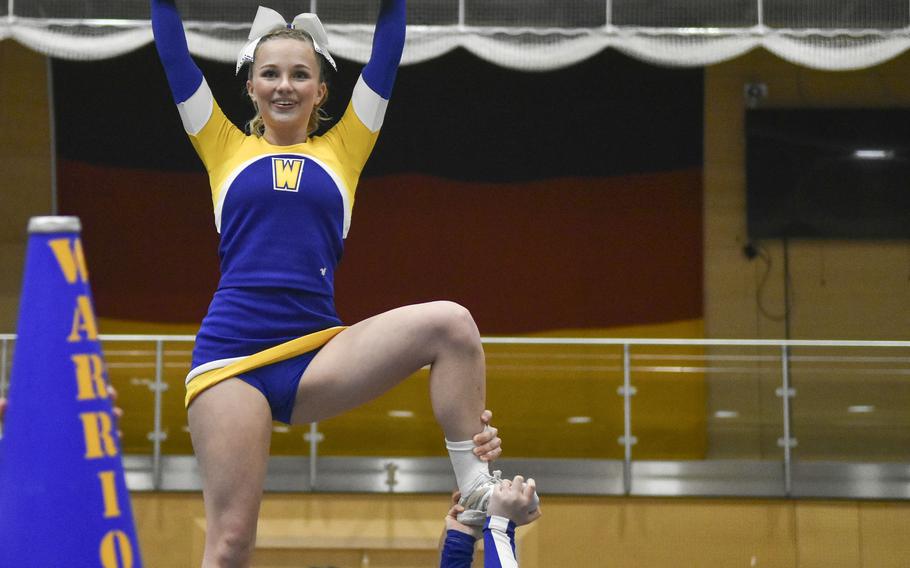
(626, 476)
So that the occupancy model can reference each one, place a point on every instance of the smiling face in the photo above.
(286, 86)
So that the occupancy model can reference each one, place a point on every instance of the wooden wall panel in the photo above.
(705, 533)
(828, 535)
(581, 532)
(883, 531)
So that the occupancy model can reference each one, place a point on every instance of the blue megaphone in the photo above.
(63, 495)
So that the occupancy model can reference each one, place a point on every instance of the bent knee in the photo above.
(232, 544)
(454, 325)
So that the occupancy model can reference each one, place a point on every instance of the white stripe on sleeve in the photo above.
(498, 527)
(369, 106)
(196, 110)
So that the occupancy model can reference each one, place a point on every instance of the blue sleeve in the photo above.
(499, 543)
(388, 45)
(458, 551)
(182, 73)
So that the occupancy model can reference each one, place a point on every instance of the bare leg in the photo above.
(371, 357)
(231, 427)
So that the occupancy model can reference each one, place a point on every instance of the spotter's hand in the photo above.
(452, 519)
(516, 500)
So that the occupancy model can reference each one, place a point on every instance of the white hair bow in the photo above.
(268, 20)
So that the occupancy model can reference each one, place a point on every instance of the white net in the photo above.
(519, 34)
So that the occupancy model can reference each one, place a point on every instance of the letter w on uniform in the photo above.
(286, 173)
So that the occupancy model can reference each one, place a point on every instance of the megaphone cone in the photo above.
(63, 495)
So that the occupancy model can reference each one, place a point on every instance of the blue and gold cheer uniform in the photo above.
(498, 546)
(282, 213)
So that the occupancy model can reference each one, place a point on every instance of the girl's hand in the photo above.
(488, 444)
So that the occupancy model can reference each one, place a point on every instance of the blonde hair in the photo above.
(256, 126)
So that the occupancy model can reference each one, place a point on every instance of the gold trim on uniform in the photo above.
(281, 352)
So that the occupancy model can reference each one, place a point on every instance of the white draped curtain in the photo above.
(520, 34)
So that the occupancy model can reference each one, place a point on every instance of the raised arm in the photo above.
(388, 45)
(183, 75)
(373, 89)
(195, 103)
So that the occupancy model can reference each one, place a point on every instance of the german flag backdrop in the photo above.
(541, 201)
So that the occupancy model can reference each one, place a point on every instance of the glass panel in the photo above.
(851, 404)
(542, 13)
(399, 423)
(692, 13)
(88, 9)
(131, 370)
(6, 357)
(420, 12)
(712, 411)
(177, 359)
(8, 346)
(885, 14)
(556, 401)
(548, 402)
(707, 421)
(209, 11)
(697, 403)
(744, 413)
(668, 416)
(238, 12)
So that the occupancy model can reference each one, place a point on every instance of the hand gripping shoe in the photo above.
(476, 500)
